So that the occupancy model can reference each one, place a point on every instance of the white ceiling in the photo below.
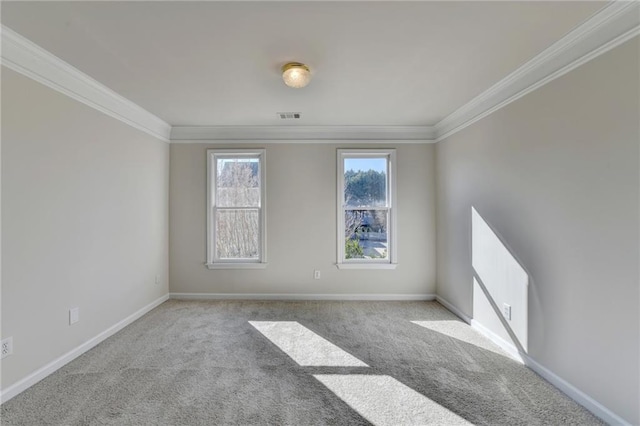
(373, 63)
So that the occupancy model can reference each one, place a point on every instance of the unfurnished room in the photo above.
(320, 213)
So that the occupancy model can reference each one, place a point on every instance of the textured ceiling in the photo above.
(373, 63)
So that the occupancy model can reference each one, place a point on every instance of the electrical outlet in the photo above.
(7, 347)
(506, 311)
(158, 279)
(74, 315)
(316, 275)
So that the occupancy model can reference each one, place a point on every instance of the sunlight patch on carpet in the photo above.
(463, 332)
(304, 346)
(383, 400)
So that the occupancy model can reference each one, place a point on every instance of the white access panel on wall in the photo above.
(500, 285)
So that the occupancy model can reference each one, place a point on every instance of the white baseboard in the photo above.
(571, 391)
(41, 373)
(505, 345)
(302, 296)
(457, 312)
(576, 394)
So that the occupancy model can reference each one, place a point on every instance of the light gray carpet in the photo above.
(203, 363)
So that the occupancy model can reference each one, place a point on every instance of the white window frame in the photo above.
(212, 261)
(392, 234)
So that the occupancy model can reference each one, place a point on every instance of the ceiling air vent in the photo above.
(289, 115)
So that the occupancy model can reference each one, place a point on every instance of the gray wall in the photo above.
(84, 222)
(301, 225)
(555, 174)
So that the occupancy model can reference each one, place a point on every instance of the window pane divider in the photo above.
(213, 194)
(390, 208)
(236, 208)
(366, 208)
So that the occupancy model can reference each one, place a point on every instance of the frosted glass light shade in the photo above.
(296, 75)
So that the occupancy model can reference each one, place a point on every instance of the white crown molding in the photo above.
(286, 134)
(29, 59)
(614, 24)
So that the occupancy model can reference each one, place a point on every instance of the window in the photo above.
(366, 209)
(235, 209)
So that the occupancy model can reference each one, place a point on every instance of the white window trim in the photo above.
(392, 261)
(212, 262)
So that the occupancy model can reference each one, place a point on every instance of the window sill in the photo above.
(366, 265)
(236, 265)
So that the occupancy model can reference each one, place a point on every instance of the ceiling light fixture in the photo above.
(296, 75)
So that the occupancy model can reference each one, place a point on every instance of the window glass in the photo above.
(236, 217)
(366, 207)
(237, 234)
(365, 234)
(365, 182)
(237, 182)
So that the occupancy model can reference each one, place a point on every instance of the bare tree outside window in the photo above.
(237, 218)
(237, 212)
